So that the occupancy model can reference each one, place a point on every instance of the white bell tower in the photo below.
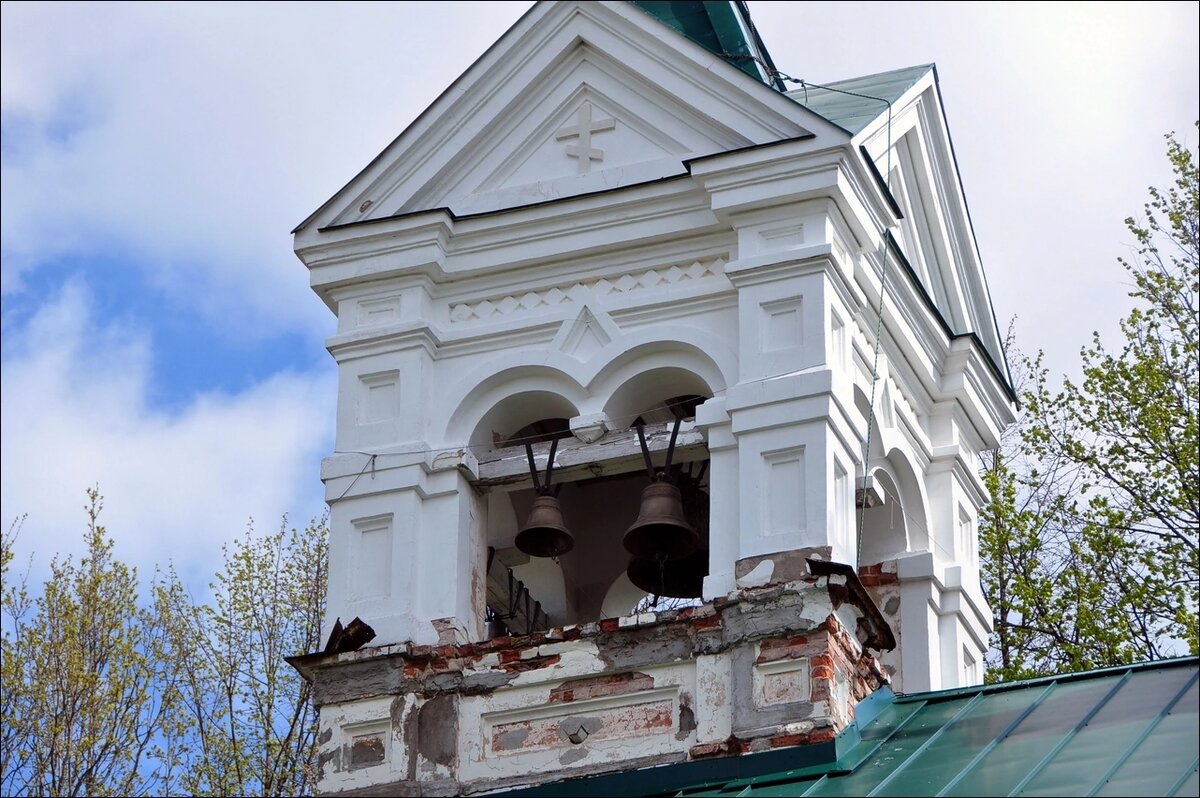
(601, 231)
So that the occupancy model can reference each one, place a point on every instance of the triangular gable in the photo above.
(920, 168)
(501, 135)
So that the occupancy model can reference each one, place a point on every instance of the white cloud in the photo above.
(192, 138)
(74, 412)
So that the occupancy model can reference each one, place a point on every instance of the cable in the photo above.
(369, 464)
(778, 75)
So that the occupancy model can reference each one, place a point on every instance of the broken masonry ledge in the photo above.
(629, 642)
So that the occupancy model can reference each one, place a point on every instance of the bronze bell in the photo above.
(661, 531)
(544, 534)
(682, 578)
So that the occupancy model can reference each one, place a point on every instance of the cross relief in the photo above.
(583, 129)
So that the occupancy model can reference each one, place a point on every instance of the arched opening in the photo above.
(898, 525)
(656, 395)
(884, 533)
(662, 396)
(598, 501)
(540, 415)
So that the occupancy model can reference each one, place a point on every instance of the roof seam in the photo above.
(1142, 737)
(1085, 720)
(991, 746)
(937, 735)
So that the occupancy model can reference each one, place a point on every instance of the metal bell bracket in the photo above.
(665, 474)
(546, 489)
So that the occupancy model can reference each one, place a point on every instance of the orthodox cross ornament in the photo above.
(583, 128)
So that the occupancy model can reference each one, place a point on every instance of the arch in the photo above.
(649, 390)
(706, 356)
(912, 496)
(517, 411)
(534, 369)
(643, 377)
(512, 398)
(901, 524)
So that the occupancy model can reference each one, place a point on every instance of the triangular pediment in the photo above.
(590, 132)
(585, 335)
(577, 97)
(910, 147)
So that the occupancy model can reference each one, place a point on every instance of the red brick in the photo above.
(784, 740)
(522, 665)
(609, 625)
(821, 736)
(706, 749)
(706, 622)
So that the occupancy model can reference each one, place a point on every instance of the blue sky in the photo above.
(159, 337)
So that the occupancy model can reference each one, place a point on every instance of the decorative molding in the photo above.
(585, 125)
(580, 291)
(563, 725)
(784, 681)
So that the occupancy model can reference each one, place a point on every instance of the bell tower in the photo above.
(660, 398)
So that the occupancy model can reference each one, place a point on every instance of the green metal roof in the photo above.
(1121, 731)
(723, 28)
(855, 113)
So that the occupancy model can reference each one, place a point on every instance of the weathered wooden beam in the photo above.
(617, 452)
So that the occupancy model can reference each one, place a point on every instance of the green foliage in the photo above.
(252, 726)
(88, 693)
(1090, 541)
(104, 694)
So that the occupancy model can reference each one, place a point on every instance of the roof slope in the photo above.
(853, 113)
(1121, 731)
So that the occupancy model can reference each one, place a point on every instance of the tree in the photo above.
(104, 694)
(88, 696)
(1090, 540)
(252, 728)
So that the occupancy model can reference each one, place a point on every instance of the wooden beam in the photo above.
(616, 453)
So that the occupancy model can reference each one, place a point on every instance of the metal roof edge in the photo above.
(1062, 678)
(693, 774)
